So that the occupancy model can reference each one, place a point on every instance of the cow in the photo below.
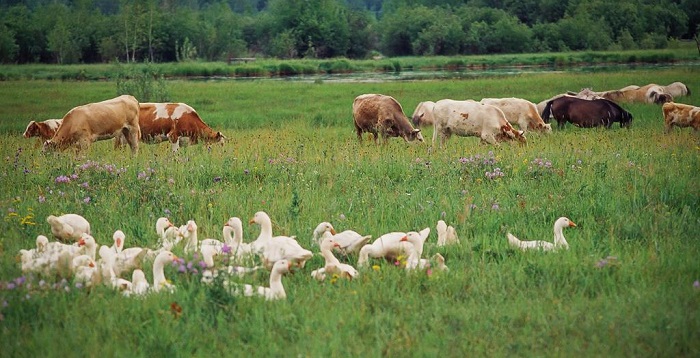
(651, 93)
(471, 118)
(423, 115)
(586, 113)
(45, 130)
(381, 114)
(172, 121)
(680, 115)
(88, 123)
(520, 112)
(677, 89)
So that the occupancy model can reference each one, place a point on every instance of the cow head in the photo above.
(413, 135)
(659, 97)
(32, 130)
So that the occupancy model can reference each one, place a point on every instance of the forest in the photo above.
(100, 31)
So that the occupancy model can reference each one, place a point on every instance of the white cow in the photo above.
(520, 112)
(423, 115)
(471, 118)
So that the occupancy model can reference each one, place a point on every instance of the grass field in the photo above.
(627, 287)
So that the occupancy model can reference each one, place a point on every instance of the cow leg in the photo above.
(489, 138)
(561, 123)
(132, 137)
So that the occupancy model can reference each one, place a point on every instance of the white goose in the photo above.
(240, 249)
(85, 270)
(274, 292)
(272, 249)
(138, 285)
(348, 241)
(190, 234)
(168, 234)
(333, 265)
(559, 240)
(127, 259)
(68, 227)
(415, 251)
(118, 238)
(388, 246)
(159, 280)
(446, 234)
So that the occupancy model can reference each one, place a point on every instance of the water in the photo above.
(503, 71)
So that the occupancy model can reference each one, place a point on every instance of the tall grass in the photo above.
(294, 154)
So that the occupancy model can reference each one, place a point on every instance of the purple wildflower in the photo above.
(182, 269)
(495, 206)
(202, 264)
(78, 285)
(10, 286)
(86, 200)
(696, 284)
(142, 175)
(42, 198)
(225, 249)
(62, 179)
(74, 176)
(85, 185)
(20, 280)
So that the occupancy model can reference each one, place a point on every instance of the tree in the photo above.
(8, 46)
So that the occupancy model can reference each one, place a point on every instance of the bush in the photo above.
(146, 83)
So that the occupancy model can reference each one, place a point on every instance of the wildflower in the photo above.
(42, 198)
(182, 269)
(171, 181)
(341, 216)
(20, 280)
(696, 284)
(175, 309)
(202, 264)
(78, 285)
(62, 179)
(86, 200)
(85, 185)
(74, 176)
(217, 179)
(142, 175)
(10, 286)
(167, 211)
(5, 304)
(246, 171)
(42, 283)
(429, 272)
(375, 267)
(495, 206)
(226, 249)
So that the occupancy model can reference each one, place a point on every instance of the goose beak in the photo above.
(91, 264)
(175, 258)
(251, 221)
(336, 245)
(405, 238)
(572, 224)
(81, 242)
(333, 231)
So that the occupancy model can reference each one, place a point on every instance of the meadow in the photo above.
(628, 286)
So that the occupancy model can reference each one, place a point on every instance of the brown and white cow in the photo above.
(173, 122)
(380, 114)
(680, 115)
(88, 123)
(520, 112)
(651, 93)
(471, 118)
(44, 130)
(423, 114)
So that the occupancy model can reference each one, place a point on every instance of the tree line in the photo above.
(90, 31)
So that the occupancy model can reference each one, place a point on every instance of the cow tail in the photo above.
(547, 111)
(687, 89)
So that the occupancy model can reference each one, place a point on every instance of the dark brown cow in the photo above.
(380, 114)
(86, 124)
(586, 113)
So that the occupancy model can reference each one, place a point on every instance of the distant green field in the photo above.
(627, 287)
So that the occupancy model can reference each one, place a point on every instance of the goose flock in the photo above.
(122, 268)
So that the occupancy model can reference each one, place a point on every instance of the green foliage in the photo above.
(145, 83)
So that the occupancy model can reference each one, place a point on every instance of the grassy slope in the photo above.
(293, 153)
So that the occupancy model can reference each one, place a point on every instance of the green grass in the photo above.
(293, 153)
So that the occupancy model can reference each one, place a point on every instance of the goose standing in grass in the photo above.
(159, 280)
(127, 259)
(273, 249)
(241, 250)
(190, 234)
(118, 238)
(446, 234)
(68, 227)
(348, 241)
(332, 265)
(168, 234)
(388, 246)
(559, 240)
(274, 292)
(415, 250)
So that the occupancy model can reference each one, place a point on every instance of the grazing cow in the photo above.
(44, 130)
(380, 114)
(520, 112)
(471, 118)
(677, 89)
(423, 115)
(681, 115)
(586, 113)
(651, 93)
(159, 121)
(88, 123)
